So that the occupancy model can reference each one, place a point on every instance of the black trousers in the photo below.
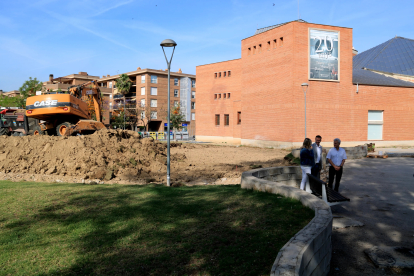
(337, 174)
(316, 170)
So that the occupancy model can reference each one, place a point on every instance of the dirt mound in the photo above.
(106, 154)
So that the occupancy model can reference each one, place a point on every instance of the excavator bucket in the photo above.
(84, 126)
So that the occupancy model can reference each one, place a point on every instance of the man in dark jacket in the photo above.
(317, 153)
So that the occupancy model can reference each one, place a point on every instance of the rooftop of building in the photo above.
(146, 70)
(378, 65)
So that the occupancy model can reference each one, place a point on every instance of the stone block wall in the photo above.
(309, 251)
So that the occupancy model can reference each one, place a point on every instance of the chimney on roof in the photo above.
(139, 68)
(179, 70)
(103, 76)
(107, 75)
(166, 69)
(50, 77)
(83, 73)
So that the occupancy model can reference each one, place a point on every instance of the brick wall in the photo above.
(269, 94)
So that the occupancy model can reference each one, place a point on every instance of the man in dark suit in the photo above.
(317, 153)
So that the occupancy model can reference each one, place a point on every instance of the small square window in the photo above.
(154, 91)
(154, 79)
(153, 114)
(226, 119)
(153, 103)
(175, 82)
(175, 103)
(192, 94)
(176, 93)
(217, 119)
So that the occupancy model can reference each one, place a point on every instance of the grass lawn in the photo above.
(75, 229)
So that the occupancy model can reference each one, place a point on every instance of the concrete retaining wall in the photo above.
(309, 251)
(351, 152)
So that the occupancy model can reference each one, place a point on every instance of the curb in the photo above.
(309, 252)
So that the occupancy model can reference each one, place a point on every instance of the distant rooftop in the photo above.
(261, 30)
(395, 56)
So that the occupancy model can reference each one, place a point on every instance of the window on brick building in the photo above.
(142, 114)
(193, 84)
(268, 45)
(219, 96)
(142, 90)
(215, 75)
(153, 103)
(239, 117)
(154, 91)
(142, 102)
(228, 95)
(154, 79)
(215, 96)
(176, 93)
(175, 103)
(226, 119)
(224, 96)
(224, 73)
(249, 51)
(274, 43)
(143, 79)
(254, 50)
(192, 116)
(281, 41)
(217, 119)
(176, 82)
(375, 123)
(192, 94)
(192, 105)
(219, 74)
(260, 48)
(229, 73)
(153, 114)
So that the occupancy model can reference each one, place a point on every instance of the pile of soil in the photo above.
(105, 155)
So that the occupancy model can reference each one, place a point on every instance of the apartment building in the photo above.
(149, 94)
(259, 99)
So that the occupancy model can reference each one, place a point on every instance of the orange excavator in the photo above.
(67, 114)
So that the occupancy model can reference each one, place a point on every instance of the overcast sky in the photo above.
(100, 37)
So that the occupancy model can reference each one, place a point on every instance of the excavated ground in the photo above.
(114, 156)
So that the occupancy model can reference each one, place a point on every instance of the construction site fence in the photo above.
(163, 135)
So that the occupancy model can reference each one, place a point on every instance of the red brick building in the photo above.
(258, 99)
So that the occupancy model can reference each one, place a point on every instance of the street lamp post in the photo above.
(305, 88)
(168, 43)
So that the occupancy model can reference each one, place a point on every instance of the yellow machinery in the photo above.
(67, 114)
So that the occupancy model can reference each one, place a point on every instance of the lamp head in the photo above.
(304, 84)
(168, 43)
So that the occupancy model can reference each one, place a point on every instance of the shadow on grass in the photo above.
(155, 230)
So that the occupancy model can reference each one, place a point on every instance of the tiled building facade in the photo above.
(266, 104)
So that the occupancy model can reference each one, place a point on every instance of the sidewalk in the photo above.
(394, 152)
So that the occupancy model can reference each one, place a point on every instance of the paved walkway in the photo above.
(382, 197)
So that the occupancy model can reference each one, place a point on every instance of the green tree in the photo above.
(9, 101)
(28, 89)
(176, 117)
(117, 121)
(123, 84)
